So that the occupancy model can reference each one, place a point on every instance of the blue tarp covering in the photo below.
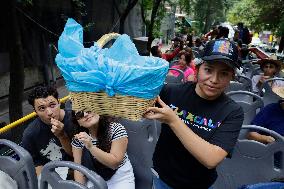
(115, 70)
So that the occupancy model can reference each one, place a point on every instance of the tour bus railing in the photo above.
(25, 118)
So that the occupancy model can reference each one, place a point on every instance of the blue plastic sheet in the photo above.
(115, 70)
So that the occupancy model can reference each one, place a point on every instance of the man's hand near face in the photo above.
(57, 130)
(57, 127)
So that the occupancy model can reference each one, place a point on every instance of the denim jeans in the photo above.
(159, 184)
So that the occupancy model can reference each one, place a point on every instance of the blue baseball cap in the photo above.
(221, 50)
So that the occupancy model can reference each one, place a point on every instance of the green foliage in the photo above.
(280, 30)
(89, 26)
(80, 7)
(148, 6)
(245, 11)
(185, 6)
(209, 12)
(27, 2)
(259, 14)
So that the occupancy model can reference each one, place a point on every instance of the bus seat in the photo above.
(236, 86)
(250, 103)
(50, 177)
(252, 162)
(268, 95)
(246, 81)
(142, 139)
(20, 169)
(173, 79)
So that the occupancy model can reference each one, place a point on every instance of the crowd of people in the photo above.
(200, 123)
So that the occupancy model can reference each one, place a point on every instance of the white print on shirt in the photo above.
(52, 151)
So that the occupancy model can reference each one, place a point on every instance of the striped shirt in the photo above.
(117, 131)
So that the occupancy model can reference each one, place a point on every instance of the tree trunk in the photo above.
(17, 77)
(207, 17)
(156, 4)
(143, 13)
(130, 5)
(77, 11)
(281, 44)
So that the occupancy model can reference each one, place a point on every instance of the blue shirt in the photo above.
(271, 117)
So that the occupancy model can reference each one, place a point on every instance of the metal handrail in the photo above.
(26, 118)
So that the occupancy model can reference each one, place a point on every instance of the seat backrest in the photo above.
(173, 62)
(50, 177)
(196, 53)
(173, 79)
(21, 169)
(142, 139)
(268, 95)
(247, 67)
(246, 81)
(236, 86)
(252, 162)
(249, 101)
(256, 70)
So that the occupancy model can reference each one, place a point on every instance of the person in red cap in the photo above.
(200, 123)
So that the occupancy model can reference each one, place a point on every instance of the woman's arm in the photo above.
(111, 159)
(115, 156)
(77, 154)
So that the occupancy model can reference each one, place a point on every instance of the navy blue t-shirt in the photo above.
(271, 117)
(42, 144)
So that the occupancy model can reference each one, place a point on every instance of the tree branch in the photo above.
(116, 7)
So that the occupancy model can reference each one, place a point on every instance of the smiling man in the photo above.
(200, 123)
(48, 137)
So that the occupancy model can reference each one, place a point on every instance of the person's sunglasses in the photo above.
(80, 114)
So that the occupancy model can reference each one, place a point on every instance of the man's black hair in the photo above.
(154, 51)
(223, 32)
(42, 92)
(240, 24)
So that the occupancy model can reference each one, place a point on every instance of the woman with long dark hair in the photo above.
(184, 64)
(101, 146)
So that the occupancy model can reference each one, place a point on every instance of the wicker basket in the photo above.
(128, 107)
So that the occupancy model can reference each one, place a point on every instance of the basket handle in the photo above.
(106, 38)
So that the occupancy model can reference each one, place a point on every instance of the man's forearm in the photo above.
(38, 169)
(66, 143)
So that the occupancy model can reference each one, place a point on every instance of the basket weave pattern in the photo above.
(128, 107)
